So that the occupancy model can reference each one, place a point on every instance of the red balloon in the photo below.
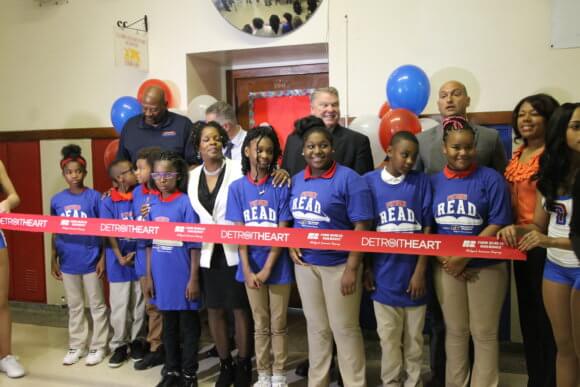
(110, 152)
(155, 82)
(397, 120)
(385, 107)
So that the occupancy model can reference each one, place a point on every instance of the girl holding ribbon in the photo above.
(326, 195)
(469, 200)
(9, 364)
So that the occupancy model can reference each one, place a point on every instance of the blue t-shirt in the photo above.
(141, 195)
(171, 260)
(402, 208)
(117, 207)
(78, 254)
(262, 205)
(333, 201)
(465, 206)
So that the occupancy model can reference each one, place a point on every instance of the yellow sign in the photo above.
(131, 49)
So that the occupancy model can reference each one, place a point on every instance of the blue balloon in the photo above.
(408, 88)
(122, 110)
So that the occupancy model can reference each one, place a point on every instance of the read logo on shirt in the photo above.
(73, 211)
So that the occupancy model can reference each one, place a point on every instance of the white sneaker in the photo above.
(264, 380)
(279, 381)
(12, 367)
(95, 357)
(73, 355)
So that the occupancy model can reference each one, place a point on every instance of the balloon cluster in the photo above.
(407, 92)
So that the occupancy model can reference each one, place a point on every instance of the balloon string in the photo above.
(346, 61)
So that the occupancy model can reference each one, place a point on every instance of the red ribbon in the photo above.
(367, 241)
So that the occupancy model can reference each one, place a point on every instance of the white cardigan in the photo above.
(233, 172)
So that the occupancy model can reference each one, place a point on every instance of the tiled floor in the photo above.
(41, 348)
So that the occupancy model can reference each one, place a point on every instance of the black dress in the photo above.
(219, 285)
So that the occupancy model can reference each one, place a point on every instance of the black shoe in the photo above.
(189, 380)
(138, 350)
(227, 373)
(171, 379)
(118, 357)
(243, 373)
(150, 360)
(302, 369)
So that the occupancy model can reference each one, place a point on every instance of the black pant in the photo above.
(539, 346)
(181, 354)
(436, 333)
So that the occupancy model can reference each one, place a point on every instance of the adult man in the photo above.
(453, 100)
(223, 113)
(156, 126)
(351, 149)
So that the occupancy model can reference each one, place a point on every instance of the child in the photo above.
(326, 195)
(78, 262)
(143, 197)
(267, 272)
(125, 297)
(173, 273)
(469, 200)
(402, 202)
(9, 364)
(550, 229)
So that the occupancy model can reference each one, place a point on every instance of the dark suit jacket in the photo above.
(351, 149)
(490, 150)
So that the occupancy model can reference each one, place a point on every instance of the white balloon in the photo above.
(368, 124)
(428, 123)
(198, 105)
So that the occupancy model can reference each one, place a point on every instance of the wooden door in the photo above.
(240, 83)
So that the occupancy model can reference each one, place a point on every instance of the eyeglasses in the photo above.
(164, 175)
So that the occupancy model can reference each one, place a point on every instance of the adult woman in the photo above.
(326, 195)
(8, 363)
(207, 190)
(550, 229)
(529, 120)
(469, 200)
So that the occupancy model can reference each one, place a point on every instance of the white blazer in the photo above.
(232, 173)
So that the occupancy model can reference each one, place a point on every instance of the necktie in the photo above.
(228, 151)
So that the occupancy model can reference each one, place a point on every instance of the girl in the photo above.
(208, 192)
(469, 200)
(402, 202)
(267, 272)
(550, 229)
(143, 198)
(8, 363)
(78, 261)
(529, 121)
(326, 195)
(173, 273)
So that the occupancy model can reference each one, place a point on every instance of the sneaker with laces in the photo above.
(279, 381)
(264, 380)
(12, 367)
(189, 380)
(118, 357)
(73, 355)
(95, 356)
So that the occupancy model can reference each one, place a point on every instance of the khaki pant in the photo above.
(127, 312)
(401, 332)
(155, 327)
(330, 314)
(472, 308)
(75, 286)
(269, 306)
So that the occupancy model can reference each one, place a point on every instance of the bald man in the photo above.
(156, 126)
(453, 100)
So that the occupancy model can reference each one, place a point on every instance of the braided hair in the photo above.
(455, 123)
(260, 132)
(178, 164)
